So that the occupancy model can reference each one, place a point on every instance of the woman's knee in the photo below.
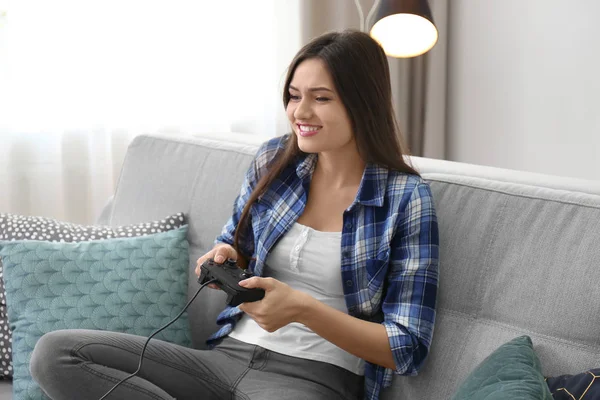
(48, 352)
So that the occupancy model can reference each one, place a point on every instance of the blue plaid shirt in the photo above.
(389, 252)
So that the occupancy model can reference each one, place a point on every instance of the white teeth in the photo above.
(305, 128)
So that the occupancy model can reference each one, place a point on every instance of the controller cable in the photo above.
(150, 337)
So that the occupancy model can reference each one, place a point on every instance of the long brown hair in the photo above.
(360, 73)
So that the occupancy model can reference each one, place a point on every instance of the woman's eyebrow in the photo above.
(313, 89)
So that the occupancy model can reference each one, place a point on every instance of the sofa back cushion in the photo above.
(200, 178)
(516, 258)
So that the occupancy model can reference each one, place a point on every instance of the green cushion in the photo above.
(513, 371)
(132, 285)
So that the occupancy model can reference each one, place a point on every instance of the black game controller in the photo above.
(227, 276)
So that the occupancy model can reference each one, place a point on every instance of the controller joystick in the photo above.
(227, 276)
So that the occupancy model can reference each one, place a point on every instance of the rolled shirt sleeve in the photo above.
(412, 282)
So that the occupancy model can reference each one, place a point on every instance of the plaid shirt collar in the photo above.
(372, 186)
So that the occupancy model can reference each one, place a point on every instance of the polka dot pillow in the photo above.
(18, 227)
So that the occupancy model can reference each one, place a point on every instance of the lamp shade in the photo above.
(404, 28)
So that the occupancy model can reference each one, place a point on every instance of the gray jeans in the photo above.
(85, 364)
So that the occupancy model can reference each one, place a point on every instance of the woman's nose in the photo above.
(303, 110)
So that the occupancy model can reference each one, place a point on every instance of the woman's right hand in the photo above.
(219, 254)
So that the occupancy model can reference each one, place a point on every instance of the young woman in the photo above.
(341, 234)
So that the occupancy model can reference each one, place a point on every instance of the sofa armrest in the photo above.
(104, 218)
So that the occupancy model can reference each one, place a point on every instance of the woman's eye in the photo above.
(294, 97)
(322, 99)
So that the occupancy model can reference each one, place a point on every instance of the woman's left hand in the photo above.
(280, 306)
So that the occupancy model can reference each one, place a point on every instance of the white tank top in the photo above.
(307, 260)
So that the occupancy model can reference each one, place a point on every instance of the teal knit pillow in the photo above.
(513, 371)
(132, 285)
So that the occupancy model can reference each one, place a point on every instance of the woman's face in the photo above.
(315, 110)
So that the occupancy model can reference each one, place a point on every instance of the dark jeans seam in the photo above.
(227, 355)
(235, 393)
(265, 361)
(130, 385)
(190, 371)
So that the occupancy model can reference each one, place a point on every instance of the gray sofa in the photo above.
(520, 252)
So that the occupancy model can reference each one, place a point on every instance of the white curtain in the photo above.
(80, 79)
(68, 176)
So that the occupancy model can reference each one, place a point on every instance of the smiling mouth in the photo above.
(308, 130)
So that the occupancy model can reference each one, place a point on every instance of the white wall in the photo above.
(524, 85)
